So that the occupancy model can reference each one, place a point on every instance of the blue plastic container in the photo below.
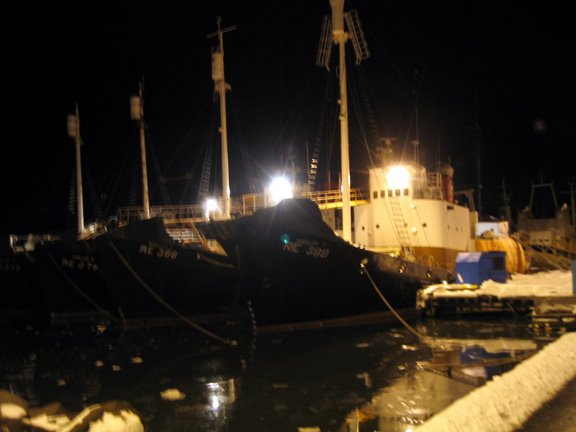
(476, 267)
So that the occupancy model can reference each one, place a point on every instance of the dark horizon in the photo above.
(487, 79)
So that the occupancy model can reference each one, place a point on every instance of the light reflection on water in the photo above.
(357, 379)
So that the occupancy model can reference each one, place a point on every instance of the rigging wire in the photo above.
(92, 192)
(359, 116)
(183, 143)
(428, 243)
(293, 117)
(192, 182)
(112, 178)
(248, 161)
(376, 39)
(165, 195)
(414, 121)
(206, 178)
(135, 182)
(325, 113)
(331, 128)
(297, 108)
(205, 173)
(49, 193)
(376, 133)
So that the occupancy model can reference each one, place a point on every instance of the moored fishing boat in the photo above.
(296, 271)
(413, 213)
(155, 277)
(151, 276)
(70, 281)
(136, 274)
(56, 274)
(549, 238)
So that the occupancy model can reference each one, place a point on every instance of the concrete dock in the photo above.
(538, 394)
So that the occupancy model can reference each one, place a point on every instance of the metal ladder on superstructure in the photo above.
(400, 227)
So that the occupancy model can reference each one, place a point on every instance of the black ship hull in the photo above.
(151, 276)
(137, 276)
(71, 282)
(295, 269)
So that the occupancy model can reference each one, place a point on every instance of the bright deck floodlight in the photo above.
(398, 177)
(280, 188)
(210, 206)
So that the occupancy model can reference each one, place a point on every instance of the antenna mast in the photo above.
(73, 124)
(137, 114)
(220, 87)
(340, 37)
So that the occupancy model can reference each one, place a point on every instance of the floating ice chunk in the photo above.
(172, 394)
(11, 411)
(125, 421)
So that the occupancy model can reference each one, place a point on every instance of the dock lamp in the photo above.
(280, 188)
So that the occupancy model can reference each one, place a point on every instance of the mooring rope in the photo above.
(168, 306)
(81, 292)
(420, 336)
(433, 342)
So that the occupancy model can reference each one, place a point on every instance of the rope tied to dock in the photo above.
(422, 337)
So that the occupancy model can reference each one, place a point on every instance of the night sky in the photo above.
(489, 86)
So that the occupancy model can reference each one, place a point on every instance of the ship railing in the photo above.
(434, 179)
(431, 188)
(333, 198)
(21, 243)
(192, 213)
(249, 203)
(242, 205)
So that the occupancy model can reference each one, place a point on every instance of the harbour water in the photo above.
(370, 378)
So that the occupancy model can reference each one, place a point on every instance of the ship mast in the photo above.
(73, 124)
(220, 87)
(137, 114)
(340, 37)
